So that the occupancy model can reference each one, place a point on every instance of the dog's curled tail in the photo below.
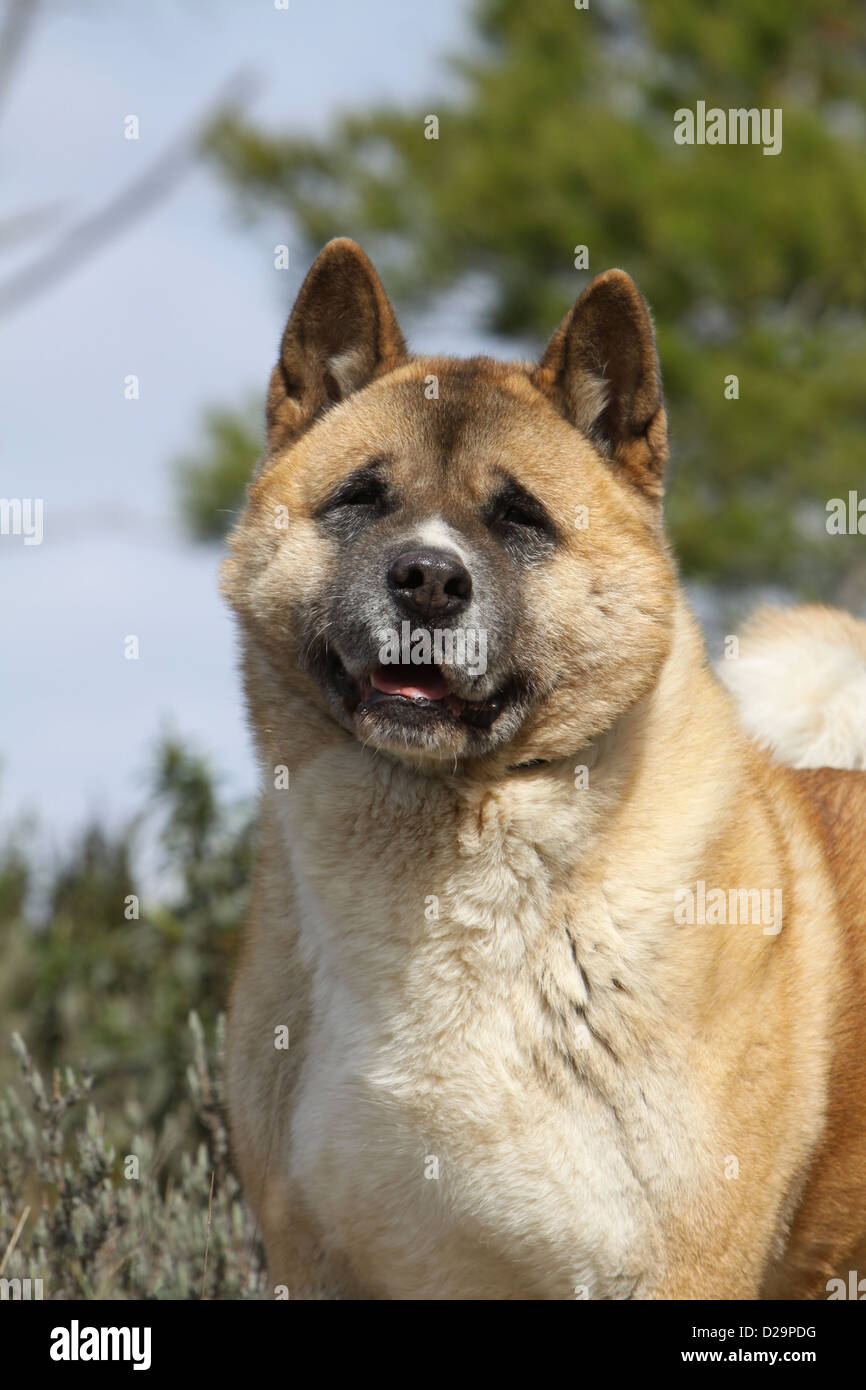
(798, 677)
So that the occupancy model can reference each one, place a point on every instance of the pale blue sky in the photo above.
(190, 303)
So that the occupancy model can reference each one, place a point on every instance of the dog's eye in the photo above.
(366, 494)
(517, 510)
(362, 491)
(359, 501)
(520, 522)
(516, 514)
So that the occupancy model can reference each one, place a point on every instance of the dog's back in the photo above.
(800, 686)
(836, 1184)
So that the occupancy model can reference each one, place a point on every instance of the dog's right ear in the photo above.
(601, 370)
(341, 334)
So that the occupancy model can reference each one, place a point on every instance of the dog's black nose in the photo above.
(432, 583)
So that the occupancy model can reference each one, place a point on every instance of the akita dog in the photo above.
(515, 1069)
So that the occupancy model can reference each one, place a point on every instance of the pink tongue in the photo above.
(415, 682)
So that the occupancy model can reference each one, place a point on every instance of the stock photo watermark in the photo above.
(734, 126)
(464, 647)
(716, 907)
(22, 516)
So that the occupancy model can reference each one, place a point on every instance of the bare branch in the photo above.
(32, 222)
(14, 29)
(87, 237)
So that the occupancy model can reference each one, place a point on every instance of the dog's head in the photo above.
(453, 559)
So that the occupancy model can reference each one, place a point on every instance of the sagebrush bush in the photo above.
(93, 1222)
(97, 965)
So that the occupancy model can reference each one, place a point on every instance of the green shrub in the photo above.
(94, 1222)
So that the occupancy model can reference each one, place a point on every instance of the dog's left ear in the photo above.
(341, 334)
(602, 372)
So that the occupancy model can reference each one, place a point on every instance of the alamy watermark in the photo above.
(77, 1343)
(464, 647)
(22, 516)
(759, 907)
(855, 1288)
(738, 125)
(846, 517)
(16, 1290)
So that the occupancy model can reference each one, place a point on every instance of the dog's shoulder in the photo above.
(839, 798)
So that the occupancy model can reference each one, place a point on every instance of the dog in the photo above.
(553, 980)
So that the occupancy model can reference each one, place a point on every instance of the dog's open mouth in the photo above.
(413, 696)
(425, 689)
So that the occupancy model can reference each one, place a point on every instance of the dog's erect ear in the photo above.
(601, 370)
(341, 334)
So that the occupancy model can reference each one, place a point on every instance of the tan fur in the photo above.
(512, 1073)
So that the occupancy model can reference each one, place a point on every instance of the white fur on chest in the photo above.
(443, 1125)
